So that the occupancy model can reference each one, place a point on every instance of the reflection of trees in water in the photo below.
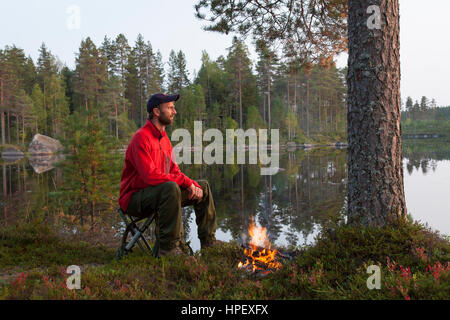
(291, 203)
(424, 154)
(307, 193)
(26, 192)
(424, 164)
(188, 216)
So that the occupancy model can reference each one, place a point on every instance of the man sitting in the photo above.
(152, 182)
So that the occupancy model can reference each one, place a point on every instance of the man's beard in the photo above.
(165, 120)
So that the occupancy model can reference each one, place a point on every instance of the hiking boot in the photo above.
(211, 243)
(175, 251)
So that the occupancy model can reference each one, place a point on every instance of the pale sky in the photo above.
(170, 24)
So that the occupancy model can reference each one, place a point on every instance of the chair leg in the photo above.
(136, 232)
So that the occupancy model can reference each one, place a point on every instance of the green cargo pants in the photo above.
(167, 199)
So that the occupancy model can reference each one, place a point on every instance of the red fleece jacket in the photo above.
(148, 162)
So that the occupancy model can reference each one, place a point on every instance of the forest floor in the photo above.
(413, 263)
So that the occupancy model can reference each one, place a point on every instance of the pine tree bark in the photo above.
(240, 96)
(269, 112)
(375, 172)
(307, 106)
(8, 125)
(23, 126)
(2, 113)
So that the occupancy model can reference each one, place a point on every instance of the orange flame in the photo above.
(259, 257)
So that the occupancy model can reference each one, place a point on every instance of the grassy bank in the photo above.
(441, 127)
(414, 264)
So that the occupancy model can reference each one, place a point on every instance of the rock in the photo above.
(12, 154)
(43, 145)
(291, 145)
(46, 163)
(341, 144)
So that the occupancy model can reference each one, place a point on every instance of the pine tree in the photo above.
(178, 76)
(140, 54)
(58, 105)
(122, 54)
(243, 83)
(38, 111)
(17, 73)
(375, 170)
(67, 76)
(424, 106)
(108, 51)
(24, 106)
(91, 167)
(132, 88)
(155, 72)
(409, 106)
(213, 79)
(266, 65)
(46, 68)
(90, 74)
(191, 106)
(416, 110)
(111, 103)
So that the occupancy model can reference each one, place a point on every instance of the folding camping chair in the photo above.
(134, 233)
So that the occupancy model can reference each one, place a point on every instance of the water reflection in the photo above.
(41, 164)
(293, 205)
(427, 180)
(25, 192)
(423, 164)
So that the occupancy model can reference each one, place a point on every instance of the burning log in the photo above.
(280, 255)
(258, 255)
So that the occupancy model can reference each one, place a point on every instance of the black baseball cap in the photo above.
(158, 98)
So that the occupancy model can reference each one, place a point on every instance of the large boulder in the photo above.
(43, 145)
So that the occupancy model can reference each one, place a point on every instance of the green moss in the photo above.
(35, 245)
(412, 259)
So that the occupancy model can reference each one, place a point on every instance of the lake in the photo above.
(293, 205)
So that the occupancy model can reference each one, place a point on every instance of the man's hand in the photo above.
(195, 193)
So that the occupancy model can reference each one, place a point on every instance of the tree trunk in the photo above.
(141, 93)
(240, 96)
(85, 94)
(320, 120)
(295, 92)
(288, 94)
(45, 107)
(269, 116)
(17, 128)
(23, 126)
(117, 119)
(264, 107)
(2, 115)
(307, 106)
(288, 109)
(375, 172)
(295, 100)
(8, 126)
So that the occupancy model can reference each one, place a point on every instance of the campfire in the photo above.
(259, 257)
